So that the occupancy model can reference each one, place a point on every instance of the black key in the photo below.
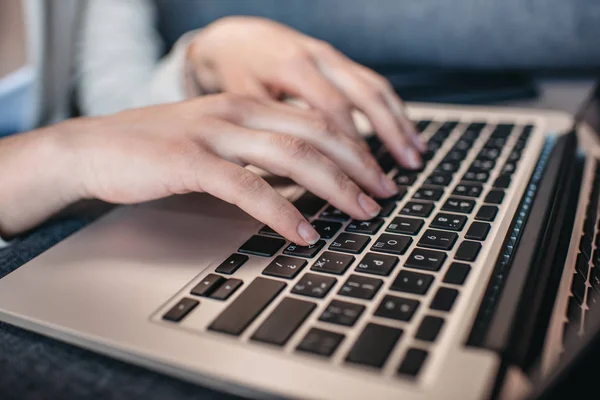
(438, 239)
(412, 282)
(479, 165)
(422, 125)
(247, 306)
(497, 143)
(451, 222)
(487, 213)
(489, 153)
(430, 328)
(480, 177)
(342, 313)
(468, 251)
(444, 299)
(374, 143)
(582, 265)
(393, 244)
(401, 193)
(387, 162)
(267, 230)
(425, 259)
(413, 362)
(309, 204)
(181, 309)
(387, 207)
(304, 251)
(455, 155)
(417, 209)
(283, 321)
(502, 182)
(428, 193)
(468, 189)
(377, 264)
(454, 204)
(439, 178)
(463, 145)
(409, 226)
(593, 298)
(457, 273)
(406, 179)
(374, 345)
(508, 168)
(474, 129)
(232, 264)
(595, 279)
(314, 285)
(333, 263)
(573, 311)
(320, 342)
(495, 197)
(503, 130)
(350, 243)
(333, 213)
(398, 308)
(208, 285)
(514, 156)
(447, 167)
(578, 288)
(226, 289)
(478, 231)
(448, 127)
(367, 227)
(285, 267)
(326, 229)
(262, 246)
(585, 245)
(360, 287)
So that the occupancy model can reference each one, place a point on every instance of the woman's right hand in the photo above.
(202, 145)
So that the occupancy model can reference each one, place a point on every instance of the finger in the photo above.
(251, 193)
(238, 82)
(295, 158)
(357, 162)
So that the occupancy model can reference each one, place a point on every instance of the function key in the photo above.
(342, 313)
(333, 213)
(304, 251)
(397, 308)
(455, 204)
(468, 251)
(326, 229)
(262, 246)
(457, 273)
(439, 179)
(309, 204)
(451, 222)
(181, 309)
(425, 259)
(413, 362)
(393, 244)
(333, 263)
(430, 328)
(478, 231)
(412, 282)
(387, 207)
(285, 267)
(367, 227)
(444, 299)
(208, 285)
(468, 189)
(231, 264)
(487, 213)
(495, 197)
(314, 285)
(406, 179)
(377, 264)
(428, 193)
(503, 181)
(285, 319)
(320, 342)
(267, 230)
(480, 177)
(374, 345)
(417, 209)
(360, 287)
(350, 243)
(409, 226)
(226, 289)
(438, 239)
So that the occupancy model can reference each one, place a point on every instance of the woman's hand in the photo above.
(202, 145)
(264, 59)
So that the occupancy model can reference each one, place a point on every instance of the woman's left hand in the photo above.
(264, 59)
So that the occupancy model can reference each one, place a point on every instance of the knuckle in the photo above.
(321, 123)
(294, 147)
(234, 106)
(249, 184)
(341, 181)
(297, 55)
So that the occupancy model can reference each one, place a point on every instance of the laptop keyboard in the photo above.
(424, 241)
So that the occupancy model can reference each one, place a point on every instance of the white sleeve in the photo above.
(119, 63)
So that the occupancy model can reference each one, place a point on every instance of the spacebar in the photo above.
(247, 306)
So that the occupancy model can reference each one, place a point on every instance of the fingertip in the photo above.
(307, 233)
(412, 159)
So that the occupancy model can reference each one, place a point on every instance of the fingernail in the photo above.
(368, 205)
(308, 233)
(420, 143)
(389, 185)
(412, 158)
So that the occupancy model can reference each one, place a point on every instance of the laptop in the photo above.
(470, 284)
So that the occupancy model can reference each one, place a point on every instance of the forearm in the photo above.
(38, 178)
